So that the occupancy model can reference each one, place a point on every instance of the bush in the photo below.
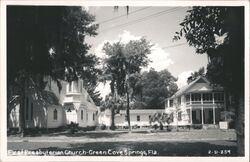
(73, 127)
(197, 126)
(169, 128)
(135, 126)
(103, 127)
(155, 126)
(161, 126)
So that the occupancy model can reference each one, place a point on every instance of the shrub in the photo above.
(161, 126)
(197, 126)
(155, 126)
(169, 128)
(73, 127)
(103, 127)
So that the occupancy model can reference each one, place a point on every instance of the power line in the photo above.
(144, 18)
(108, 20)
(172, 46)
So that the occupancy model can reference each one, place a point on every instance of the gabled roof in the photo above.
(203, 85)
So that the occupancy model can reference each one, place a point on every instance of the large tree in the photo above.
(219, 32)
(122, 64)
(153, 88)
(46, 41)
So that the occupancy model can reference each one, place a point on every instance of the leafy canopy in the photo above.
(219, 32)
(153, 88)
(48, 41)
(123, 61)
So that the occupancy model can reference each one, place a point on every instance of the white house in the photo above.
(51, 109)
(138, 117)
(196, 103)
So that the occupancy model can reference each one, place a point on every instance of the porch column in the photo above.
(201, 98)
(202, 113)
(191, 116)
(213, 97)
(213, 114)
(202, 117)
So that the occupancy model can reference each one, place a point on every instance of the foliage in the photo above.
(123, 61)
(200, 25)
(122, 65)
(46, 41)
(73, 127)
(219, 32)
(95, 95)
(114, 103)
(90, 79)
(161, 118)
(196, 74)
(153, 88)
(54, 41)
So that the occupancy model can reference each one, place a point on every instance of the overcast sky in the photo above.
(157, 24)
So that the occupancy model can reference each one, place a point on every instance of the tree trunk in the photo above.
(112, 127)
(22, 112)
(21, 128)
(128, 113)
(240, 125)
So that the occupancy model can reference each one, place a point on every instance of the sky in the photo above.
(156, 24)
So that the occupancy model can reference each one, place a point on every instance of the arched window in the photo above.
(81, 114)
(55, 114)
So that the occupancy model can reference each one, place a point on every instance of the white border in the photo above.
(3, 141)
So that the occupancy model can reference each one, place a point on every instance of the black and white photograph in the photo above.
(122, 80)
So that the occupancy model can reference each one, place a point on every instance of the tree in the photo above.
(91, 77)
(219, 32)
(153, 88)
(114, 103)
(46, 41)
(122, 63)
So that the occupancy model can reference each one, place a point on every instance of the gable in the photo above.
(201, 80)
(200, 87)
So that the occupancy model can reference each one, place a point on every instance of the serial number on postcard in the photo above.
(219, 152)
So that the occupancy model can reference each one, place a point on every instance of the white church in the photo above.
(51, 109)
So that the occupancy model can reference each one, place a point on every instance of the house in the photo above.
(196, 103)
(52, 109)
(138, 117)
